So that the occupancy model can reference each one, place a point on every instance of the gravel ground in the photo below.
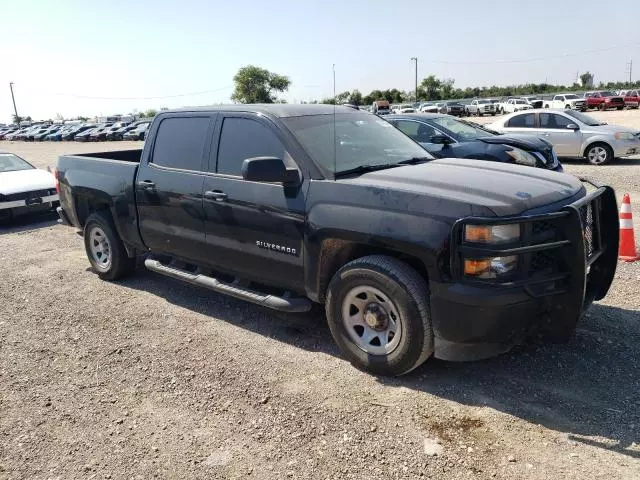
(151, 378)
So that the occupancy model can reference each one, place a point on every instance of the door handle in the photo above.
(215, 195)
(146, 184)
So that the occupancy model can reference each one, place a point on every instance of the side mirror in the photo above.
(440, 139)
(573, 126)
(269, 169)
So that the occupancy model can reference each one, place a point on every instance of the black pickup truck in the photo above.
(287, 205)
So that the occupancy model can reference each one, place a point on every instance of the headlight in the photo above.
(521, 157)
(493, 234)
(487, 268)
(624, 136)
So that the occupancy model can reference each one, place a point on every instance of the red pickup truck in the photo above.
(631, 98)
(604, 100)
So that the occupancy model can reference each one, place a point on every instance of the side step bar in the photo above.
(284, 303)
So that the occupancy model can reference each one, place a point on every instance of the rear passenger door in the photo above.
(169, 185)
(521, 123)
(254, 230)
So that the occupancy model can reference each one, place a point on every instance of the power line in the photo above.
(159, 97)
(534, 59)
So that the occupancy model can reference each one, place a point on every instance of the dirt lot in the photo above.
(150, 378)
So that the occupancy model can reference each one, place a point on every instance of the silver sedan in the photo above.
(574, 134)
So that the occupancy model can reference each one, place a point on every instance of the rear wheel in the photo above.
(599, 154)
(105, 249)
(620, 108)
(601, 106)
(378, 311)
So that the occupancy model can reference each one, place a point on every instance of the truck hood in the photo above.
(503, 188)
(26, 181)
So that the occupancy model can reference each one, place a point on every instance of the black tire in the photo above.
(599, 161)
(120, 264)
(620, 108)
(567, 107)
(409, 296)
(601, 107)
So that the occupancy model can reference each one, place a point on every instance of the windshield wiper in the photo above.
(414, 160)
(365, 169)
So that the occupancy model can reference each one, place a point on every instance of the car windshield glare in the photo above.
(358, 140)
(586, 119)
(12, 163)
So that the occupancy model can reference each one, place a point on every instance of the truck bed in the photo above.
(121, 155)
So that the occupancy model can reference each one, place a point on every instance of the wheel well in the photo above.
(85, 206)
(586, 149)
(336, 253)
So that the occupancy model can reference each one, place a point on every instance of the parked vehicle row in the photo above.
(86, 132)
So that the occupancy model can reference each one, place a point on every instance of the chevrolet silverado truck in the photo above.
(568, 101)
(287, 206)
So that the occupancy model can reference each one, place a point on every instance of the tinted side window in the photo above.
(418, 132)
(552, 120)
(522, 121)
(242, 138)
(180, 142)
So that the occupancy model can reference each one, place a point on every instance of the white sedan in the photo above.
(24, 188)
(573, 134)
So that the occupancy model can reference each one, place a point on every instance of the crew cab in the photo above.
(567, 101)
(604, 100)
(290, 205)
(514, 105)
(480, 107)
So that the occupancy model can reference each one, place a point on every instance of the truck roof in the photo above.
(275, 109)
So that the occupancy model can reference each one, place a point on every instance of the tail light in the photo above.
(55, 174)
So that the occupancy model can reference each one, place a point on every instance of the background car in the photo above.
(445, 136)
(404, 108)
(514, 105)
(453, 108)
(428, 107)
(24, 188)
(631, 98)
(85, 135)
(604, 100)
(480, 106)
(137, 133)
(573, 134)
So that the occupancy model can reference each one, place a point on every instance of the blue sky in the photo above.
(63, 54)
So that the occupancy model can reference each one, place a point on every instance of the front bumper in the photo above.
(567, 259)
(624, 148)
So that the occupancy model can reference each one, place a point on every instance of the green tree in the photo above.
(257, 85)
(16, 119)
(150, 113)
(446, 87)
(355, 98)
(586, 79)
(431, 86)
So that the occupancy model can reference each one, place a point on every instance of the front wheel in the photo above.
(378, 311)
(599, 154)
(105, 249)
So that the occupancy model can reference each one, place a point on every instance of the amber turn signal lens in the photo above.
(477, 233)
(476, 267)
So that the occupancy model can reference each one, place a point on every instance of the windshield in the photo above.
(484, 101)
(607, 94)
(571, 97)
(586, 119)
(360, 140)
(520, 102)
(460, 130)
(11, 163)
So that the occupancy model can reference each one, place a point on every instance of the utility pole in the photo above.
(415, 59)
(14, 101)
(630, 67)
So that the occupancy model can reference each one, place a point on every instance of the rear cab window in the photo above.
(180, 142)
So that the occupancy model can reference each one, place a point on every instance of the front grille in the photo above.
(26, 195)
(588, 229)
